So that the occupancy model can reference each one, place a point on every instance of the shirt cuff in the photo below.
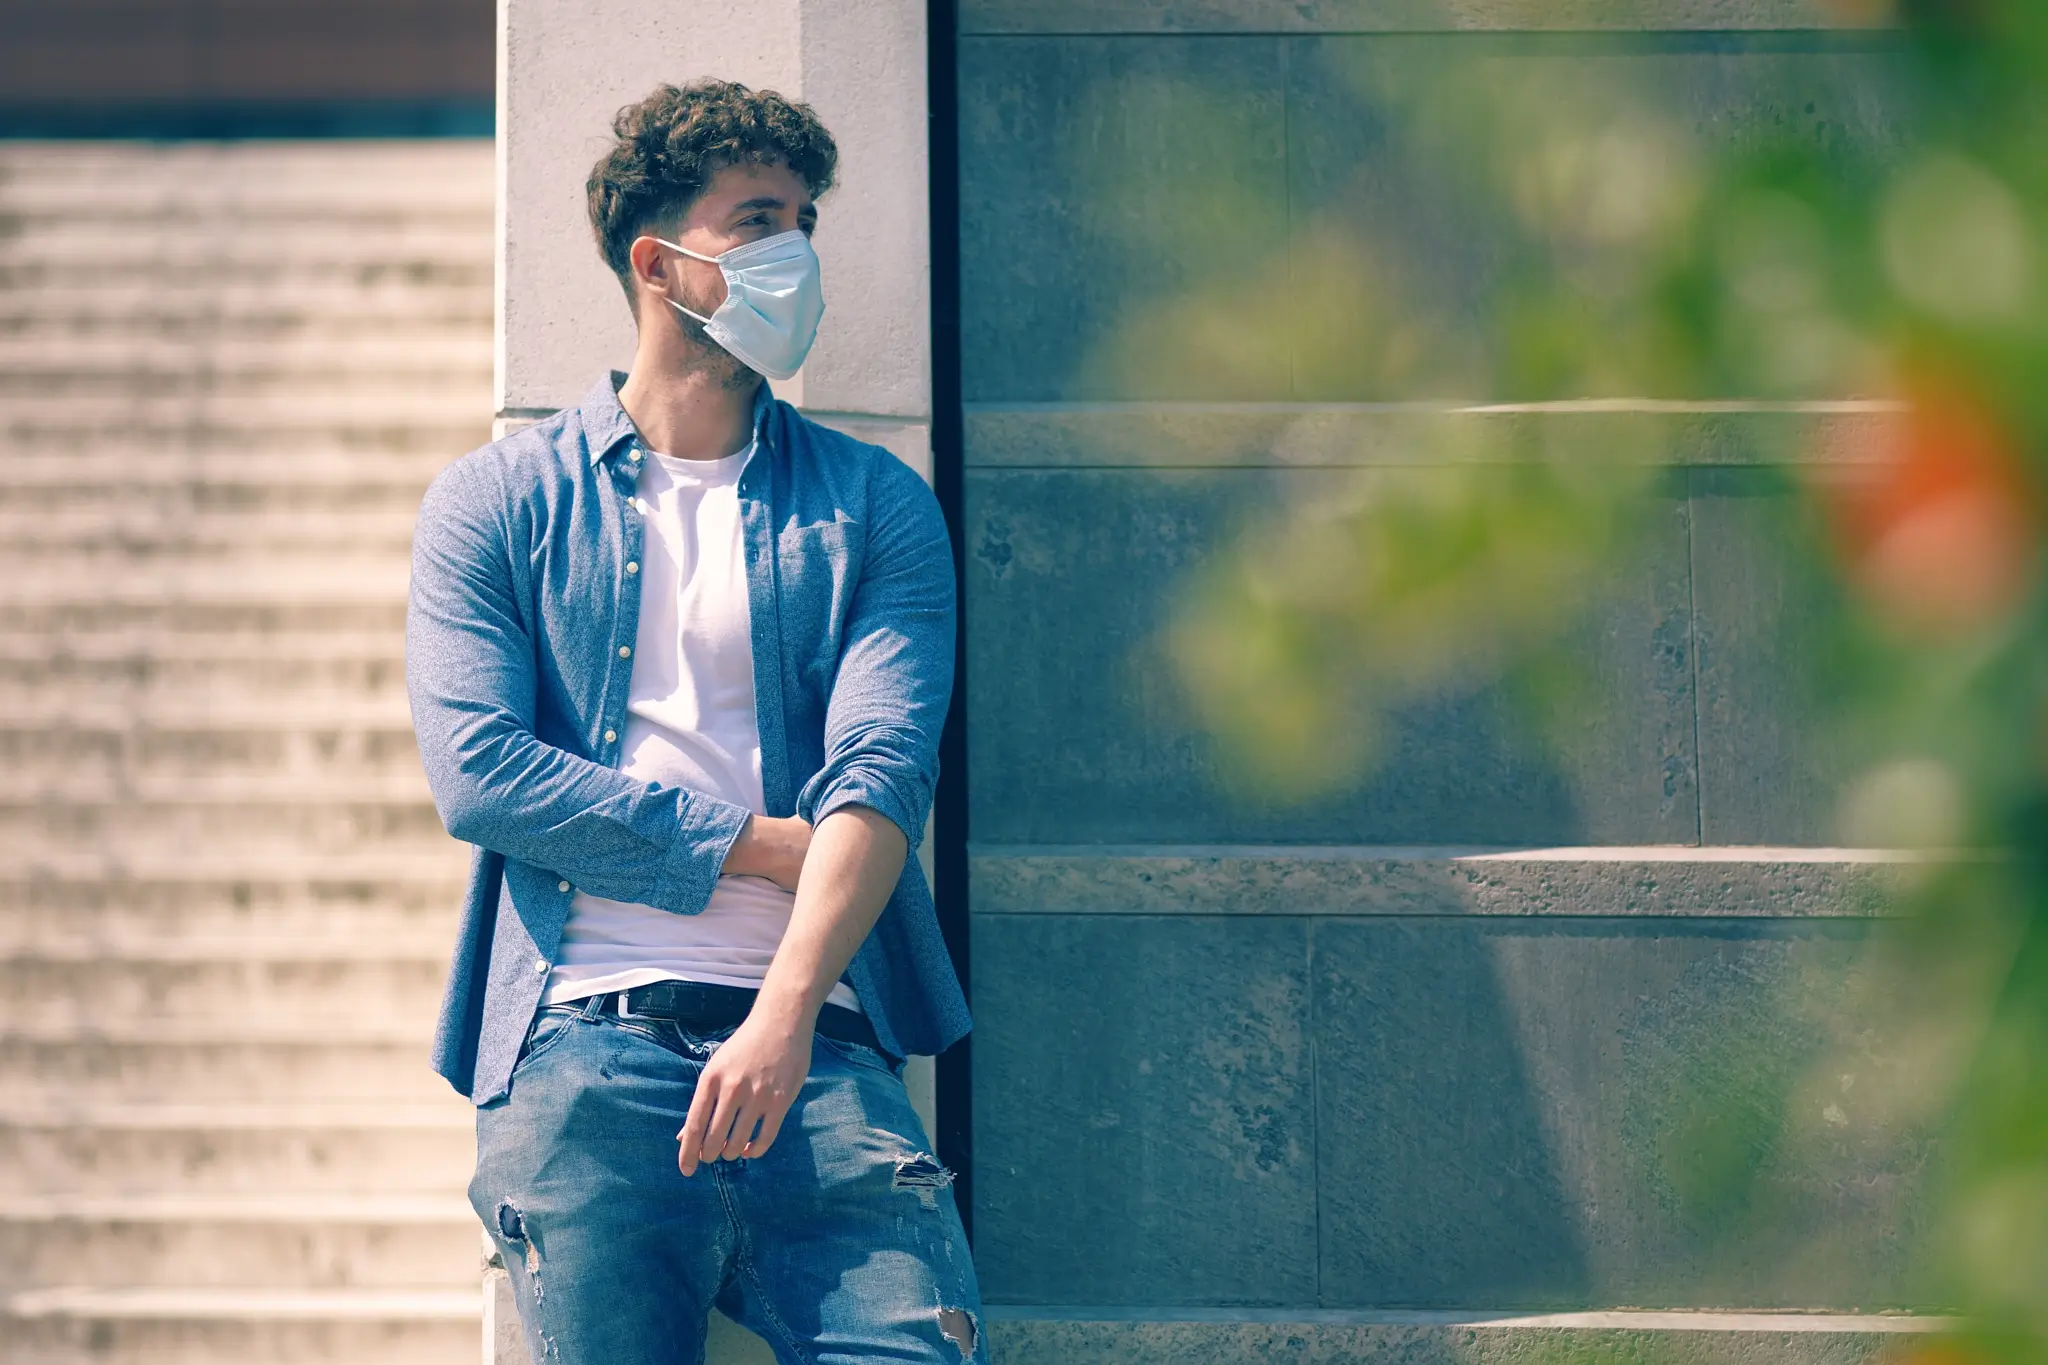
(697, 857)
(853, 787)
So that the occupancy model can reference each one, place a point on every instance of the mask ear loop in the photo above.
(694, 255)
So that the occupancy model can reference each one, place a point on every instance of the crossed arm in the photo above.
(472, 679)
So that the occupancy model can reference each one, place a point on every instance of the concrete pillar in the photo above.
(564, 69)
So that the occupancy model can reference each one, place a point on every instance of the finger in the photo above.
(771, 1124)
(691, 1138)
(729, 1104)
(742, 1130)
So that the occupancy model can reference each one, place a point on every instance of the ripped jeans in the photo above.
(841, 1243)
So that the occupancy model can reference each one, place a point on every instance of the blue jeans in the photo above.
(841, 1243)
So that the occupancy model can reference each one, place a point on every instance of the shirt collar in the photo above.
(607, 426)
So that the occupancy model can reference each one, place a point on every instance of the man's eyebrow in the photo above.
(764, 202)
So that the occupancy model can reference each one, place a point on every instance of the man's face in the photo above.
(742, 204)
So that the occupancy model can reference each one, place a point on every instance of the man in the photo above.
(678, 659)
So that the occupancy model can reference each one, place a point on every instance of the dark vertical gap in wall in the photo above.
(955, 1137)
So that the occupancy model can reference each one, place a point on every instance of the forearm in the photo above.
(613, 835)
(855, 860)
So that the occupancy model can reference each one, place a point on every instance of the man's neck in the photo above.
(692, 413)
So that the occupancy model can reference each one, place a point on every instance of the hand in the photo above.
(751, 1079)
(771, 847)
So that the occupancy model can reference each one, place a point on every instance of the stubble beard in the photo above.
(708, 357)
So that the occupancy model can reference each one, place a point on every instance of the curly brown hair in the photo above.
(671, 144)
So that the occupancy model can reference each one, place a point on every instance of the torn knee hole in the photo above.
(923, 1174)
(512, 1227)
(957, 1326)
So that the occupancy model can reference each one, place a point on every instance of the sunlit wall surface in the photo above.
(1602, 436)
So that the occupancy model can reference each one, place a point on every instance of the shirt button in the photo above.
(634, 456)
(625, 651)
(610, 735)
(632, 566)
(540, 966)
(561, 886)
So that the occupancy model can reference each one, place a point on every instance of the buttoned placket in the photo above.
(633, 530)
(625, 478)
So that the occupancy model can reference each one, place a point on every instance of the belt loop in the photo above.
(594, 1006)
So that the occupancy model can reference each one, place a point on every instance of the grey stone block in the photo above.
(1415, 1339)
(1206, 435)
(1404, 154)
(1080, 730)
(1775, 657)
(1142, 1114)
(1099, 180)
(1776, 884)
(1564, 1114)
(1396, 16)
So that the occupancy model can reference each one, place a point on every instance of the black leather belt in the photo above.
(706, 1005)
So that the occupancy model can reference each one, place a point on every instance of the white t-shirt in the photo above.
(689, 723)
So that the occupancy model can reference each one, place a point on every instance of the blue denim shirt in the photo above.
(518, 656)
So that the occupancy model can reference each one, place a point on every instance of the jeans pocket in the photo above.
(860, 1054)
(550, 1024)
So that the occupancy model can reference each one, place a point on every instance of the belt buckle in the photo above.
(625, 1007)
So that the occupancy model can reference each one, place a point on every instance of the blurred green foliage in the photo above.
(1656, 247)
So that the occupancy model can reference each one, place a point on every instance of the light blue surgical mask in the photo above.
(772, 302)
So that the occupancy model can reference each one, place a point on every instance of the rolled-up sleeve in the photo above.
(471, 680)
(895, 674)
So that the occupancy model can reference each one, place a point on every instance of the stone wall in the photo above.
(1243, 1059)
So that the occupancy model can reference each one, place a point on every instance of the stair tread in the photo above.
(158, 1206)
(250, 1304)
(127, 1115)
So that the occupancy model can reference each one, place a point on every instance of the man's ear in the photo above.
(648, 266)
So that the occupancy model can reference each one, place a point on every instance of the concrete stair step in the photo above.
(374, 407)
(357, 936)
(226, 861)
(208, 520)
(199, 931)
(247, 301)
(230, 864)
(230, 684)
(323, 1155)
(108, 703)
(314, 176)
(368, 1060)
(96, 576)
(184, 649)
(399, 780)
(350, 573)
(196, 389)
(372, 240)
(256, 619)
(166, 999)
(269, 1241)
(336, 889)
(78, 765)
(147, 542)
(124, 458)
(228, 459)
(252, 934)
(218, 351)
(76, 1325)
